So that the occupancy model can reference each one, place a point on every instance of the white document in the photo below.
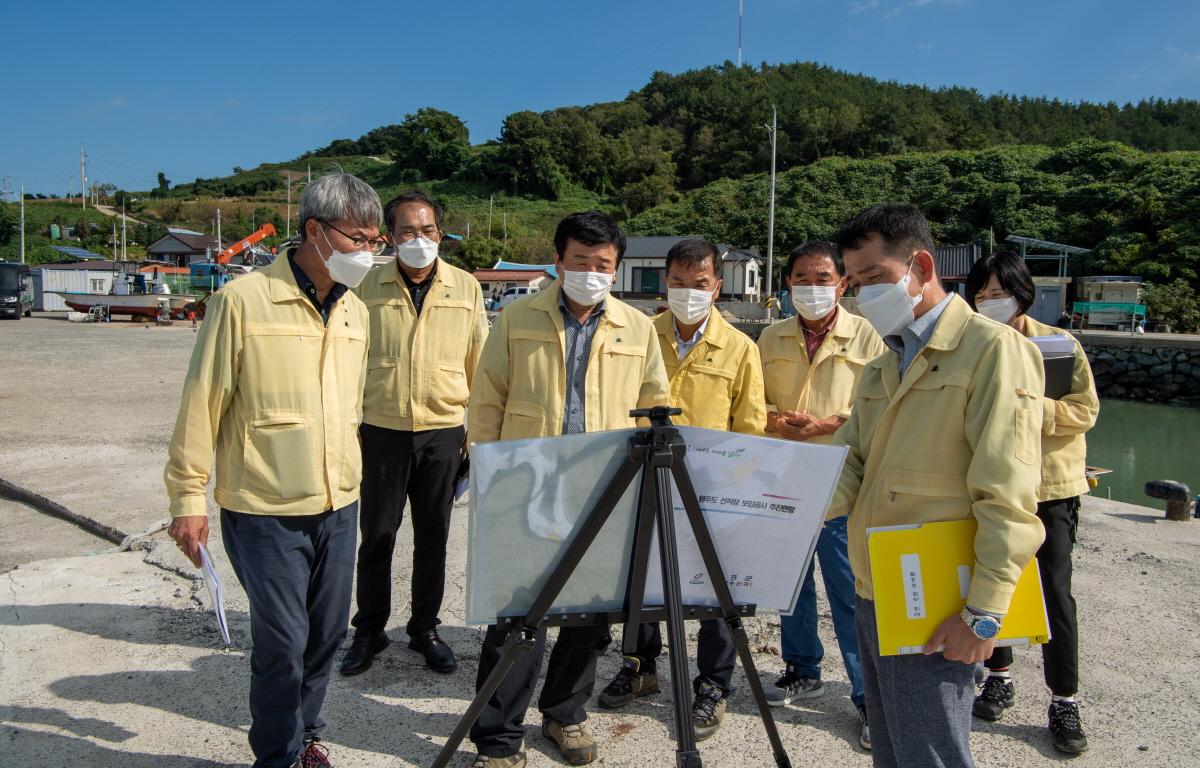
(213, 582)
(764, 501)
(1054, 346)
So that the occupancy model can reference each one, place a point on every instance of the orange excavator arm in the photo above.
(263, 232)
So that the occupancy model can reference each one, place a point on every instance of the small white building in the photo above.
(643, 270)
(494, 282)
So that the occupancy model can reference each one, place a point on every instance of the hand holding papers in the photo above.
(213, 582)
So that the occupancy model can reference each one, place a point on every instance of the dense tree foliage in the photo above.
(1138, 211)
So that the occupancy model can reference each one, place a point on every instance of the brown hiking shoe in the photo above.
(630, 683)
(512, 761)
(574, 742)
(708, 710)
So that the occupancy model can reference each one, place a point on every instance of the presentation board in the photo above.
(764, 500)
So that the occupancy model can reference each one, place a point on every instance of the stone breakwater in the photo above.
(1157, 370)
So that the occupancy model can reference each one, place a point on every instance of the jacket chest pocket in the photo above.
(1027, 442)
(447, 328)
(621, 364)
(280, 453)
(706, 387)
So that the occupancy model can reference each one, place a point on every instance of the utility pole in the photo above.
(82, 177)
(491, 202)
(22, 223)
(124, 240)
(220, 247)
(505, 219)
(740, 9)
(774, 129)
(309, 174)
(468, 230)
(289, 207)
(116, 251)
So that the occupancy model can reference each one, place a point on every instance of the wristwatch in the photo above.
(984, 626)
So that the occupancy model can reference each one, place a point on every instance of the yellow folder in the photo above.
(921, 574)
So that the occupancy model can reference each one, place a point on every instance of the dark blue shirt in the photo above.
(310, 290)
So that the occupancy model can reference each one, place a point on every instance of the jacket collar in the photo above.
(716, 333)
(842, 326)
(281, 283)
(548, 300)
(442, 275)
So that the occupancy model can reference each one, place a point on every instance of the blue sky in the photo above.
(194, 89)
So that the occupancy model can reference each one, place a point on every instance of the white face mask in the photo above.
(889, 306)
(586, 288)
(814, 301)
(349, 269)
(1000, 310)
(417, 253)
(689, 305)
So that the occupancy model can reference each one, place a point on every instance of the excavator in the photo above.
(208, 276)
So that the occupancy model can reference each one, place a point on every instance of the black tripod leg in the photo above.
(522, 636)
(520, 641)
(636, 595)
(712, 564)
(686, 755)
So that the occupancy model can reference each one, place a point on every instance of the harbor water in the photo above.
(1141, 442)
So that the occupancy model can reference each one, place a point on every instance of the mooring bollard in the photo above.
(1177, 495)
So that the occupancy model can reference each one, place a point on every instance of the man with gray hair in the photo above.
(275, 388)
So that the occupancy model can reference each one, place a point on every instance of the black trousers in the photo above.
(570, 678)
(297, 571)
(1060, 656)
(715, 653)
(419, 466)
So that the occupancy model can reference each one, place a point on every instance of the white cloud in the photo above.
(926, 46)
(893, 8)
(116, 102)
(1184, 57)
(862, 6)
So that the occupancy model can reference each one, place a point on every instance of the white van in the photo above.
(514, 293)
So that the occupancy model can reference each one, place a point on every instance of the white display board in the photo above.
(763, 499)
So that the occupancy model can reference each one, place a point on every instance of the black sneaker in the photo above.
(708, 709)
(630, 683)
(998, 694)
(791, 686)
(1066, 728)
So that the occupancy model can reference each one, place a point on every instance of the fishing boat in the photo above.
(124, 301)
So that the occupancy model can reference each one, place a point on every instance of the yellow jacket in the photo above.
(719, 383)
(521, 381)
(825, 387)
(420, 369)
(1064, 422)
(278, 394)
(959, 436)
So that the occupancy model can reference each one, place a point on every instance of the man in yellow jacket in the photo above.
(569, 359)
(275, 386)
(716, 380)
(946, 426)
(1000, 287)
(427, 330)
(812, 365)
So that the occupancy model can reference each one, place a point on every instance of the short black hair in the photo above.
(415, 196)
(589, 228)
(1011, 272)
(902, 227)
(817, 248)
(694, 253)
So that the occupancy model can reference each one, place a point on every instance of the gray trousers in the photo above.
(297, 573)
(918, 707)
